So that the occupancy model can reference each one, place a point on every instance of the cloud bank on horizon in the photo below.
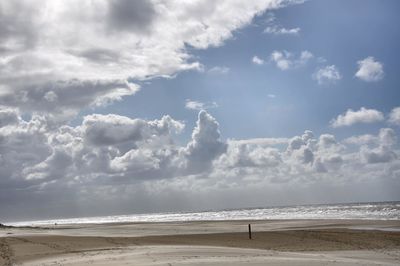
(62, 64)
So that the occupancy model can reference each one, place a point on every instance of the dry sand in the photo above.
(289, 242)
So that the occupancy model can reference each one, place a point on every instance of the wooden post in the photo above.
(249, 231)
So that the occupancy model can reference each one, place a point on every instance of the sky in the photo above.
(135, 106)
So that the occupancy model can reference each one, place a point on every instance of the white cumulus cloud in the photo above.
(370, 70)
(277, 30)
(219, 70)
(363, 115)
(258, 61)
(285, 60)
(394, 116)
(196, 105)
(328, 74)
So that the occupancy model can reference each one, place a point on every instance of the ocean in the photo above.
(364, 211)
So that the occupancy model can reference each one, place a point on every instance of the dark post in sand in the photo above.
(249, 231)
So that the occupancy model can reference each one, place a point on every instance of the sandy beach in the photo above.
(286, 242)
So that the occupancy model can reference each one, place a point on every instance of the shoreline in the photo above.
(276, 239)
(383, 210)
(319, 220)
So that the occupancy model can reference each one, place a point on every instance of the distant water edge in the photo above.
(364, 211)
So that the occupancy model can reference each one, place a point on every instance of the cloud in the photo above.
(105, 148)
(219, 70)
(384, 153)
(53, 168)
(300, 148)
(108, 157)
(137, 162)
(104, 145)
(8, 116)
(22, 145)
(241, 155)
(306, 155)
(285, 60)
(206, 144)
(277, 30)
(17, 27)
(256, 60)
(287, 161)
(196, 105)
(370, 70)
(361, 116)
(106, 130)
(259, 141)
(386, 137)
(327, 155)
(328, 74)
(281, 59)
(61, 57)
(326, 140)
(65, 98)
(394, 116)
(305, 56)
(131, 15)
(378, 155)
(361, 139)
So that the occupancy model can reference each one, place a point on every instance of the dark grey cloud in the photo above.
(382, 154)
(22, 145)
(17, 30)
(56, 166)
(64, 97)
(99, 55)
(112, 130)
(124, 133)
(307, 155)
(319, 166)
(295, 143)
(334, 159)
(328, 162)
(8, 117)
(387, 137)
(147, 164)
(385, 152)
(131, 15)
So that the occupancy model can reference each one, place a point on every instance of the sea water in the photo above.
(364, 211)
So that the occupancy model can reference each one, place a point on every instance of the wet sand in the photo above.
(289, 242)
